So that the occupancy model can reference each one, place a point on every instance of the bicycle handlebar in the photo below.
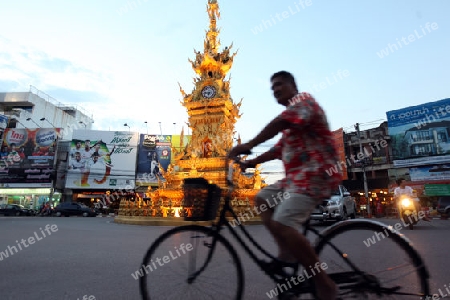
(233, 160)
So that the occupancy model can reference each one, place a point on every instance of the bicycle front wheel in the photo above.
(392, 268)
(191, 262)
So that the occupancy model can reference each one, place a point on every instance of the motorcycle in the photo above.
(408, 211)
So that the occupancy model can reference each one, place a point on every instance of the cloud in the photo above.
(25, 64)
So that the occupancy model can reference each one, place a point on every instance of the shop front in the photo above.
(105, 201)
(29, 197)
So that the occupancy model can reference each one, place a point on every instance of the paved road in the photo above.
(75, 257)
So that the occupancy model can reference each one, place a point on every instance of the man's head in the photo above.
(401, 182)
(283, 87)
(87, 144)
(95, 157)
(78, 156)
(78, 145)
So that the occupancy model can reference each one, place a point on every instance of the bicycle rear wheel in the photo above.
(391, 265)
(178, 265)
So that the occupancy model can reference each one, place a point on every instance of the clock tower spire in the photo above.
(212, 112)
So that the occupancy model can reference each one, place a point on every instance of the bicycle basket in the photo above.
(201, 199)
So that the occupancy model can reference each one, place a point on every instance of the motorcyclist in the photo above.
(403, 189)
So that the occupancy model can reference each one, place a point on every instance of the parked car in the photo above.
(15, 210)
(443, 206)
(339, 207)
(73, 209)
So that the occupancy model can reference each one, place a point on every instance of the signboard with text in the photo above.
(27, 157)
(153, 158)
(102, 160)
(420, 134)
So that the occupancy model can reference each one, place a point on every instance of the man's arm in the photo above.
(271, 130)
(266, 156)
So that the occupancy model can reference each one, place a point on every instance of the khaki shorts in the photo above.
(291, 209)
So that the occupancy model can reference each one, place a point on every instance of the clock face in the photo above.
(209, 91)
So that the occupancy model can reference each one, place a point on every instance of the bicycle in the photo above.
(190, 257)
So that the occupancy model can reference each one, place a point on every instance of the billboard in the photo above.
(420, 134)
(338, 136)
(430, 173)
(3, 124)
(27, 157)
(154, 153)
(102, 160)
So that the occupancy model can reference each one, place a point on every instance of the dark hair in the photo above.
(399, 181)
(286, 76)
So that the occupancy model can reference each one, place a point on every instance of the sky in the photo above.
(122, 60)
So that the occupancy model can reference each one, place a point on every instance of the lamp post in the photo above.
(44, 119)
(127, 126)
(174, 128)
(19, 122)
(160, 128)
(30, 119)
(146, 125)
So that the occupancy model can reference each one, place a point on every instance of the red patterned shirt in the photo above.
(307, 149)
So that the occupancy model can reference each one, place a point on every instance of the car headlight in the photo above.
(406, 202)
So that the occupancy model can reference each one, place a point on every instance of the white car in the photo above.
(339, 207)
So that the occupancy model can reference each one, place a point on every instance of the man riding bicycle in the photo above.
(309, 158)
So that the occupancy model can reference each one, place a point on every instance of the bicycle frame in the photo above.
(224, 222)
(342, 277)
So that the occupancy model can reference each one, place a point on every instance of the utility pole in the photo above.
(366, 189)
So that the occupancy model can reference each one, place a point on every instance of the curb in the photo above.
(156, 221)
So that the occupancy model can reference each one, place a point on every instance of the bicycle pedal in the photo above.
(208, 245)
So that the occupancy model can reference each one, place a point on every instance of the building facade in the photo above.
(32, 126)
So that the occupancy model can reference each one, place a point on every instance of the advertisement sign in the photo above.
(154, 155)
(420, 134)
(27, 157)
(338, 136)
(3, 124)
(102, 160)
(437, 189)
(430, 173)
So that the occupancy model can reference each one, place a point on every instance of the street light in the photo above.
(174, 128)
(160, 128)
(44, 119)
(146, 125)
(127, 126)
(19, 122)
(30, 119)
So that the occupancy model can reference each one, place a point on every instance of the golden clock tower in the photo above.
(211, 110)
(212, 115)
